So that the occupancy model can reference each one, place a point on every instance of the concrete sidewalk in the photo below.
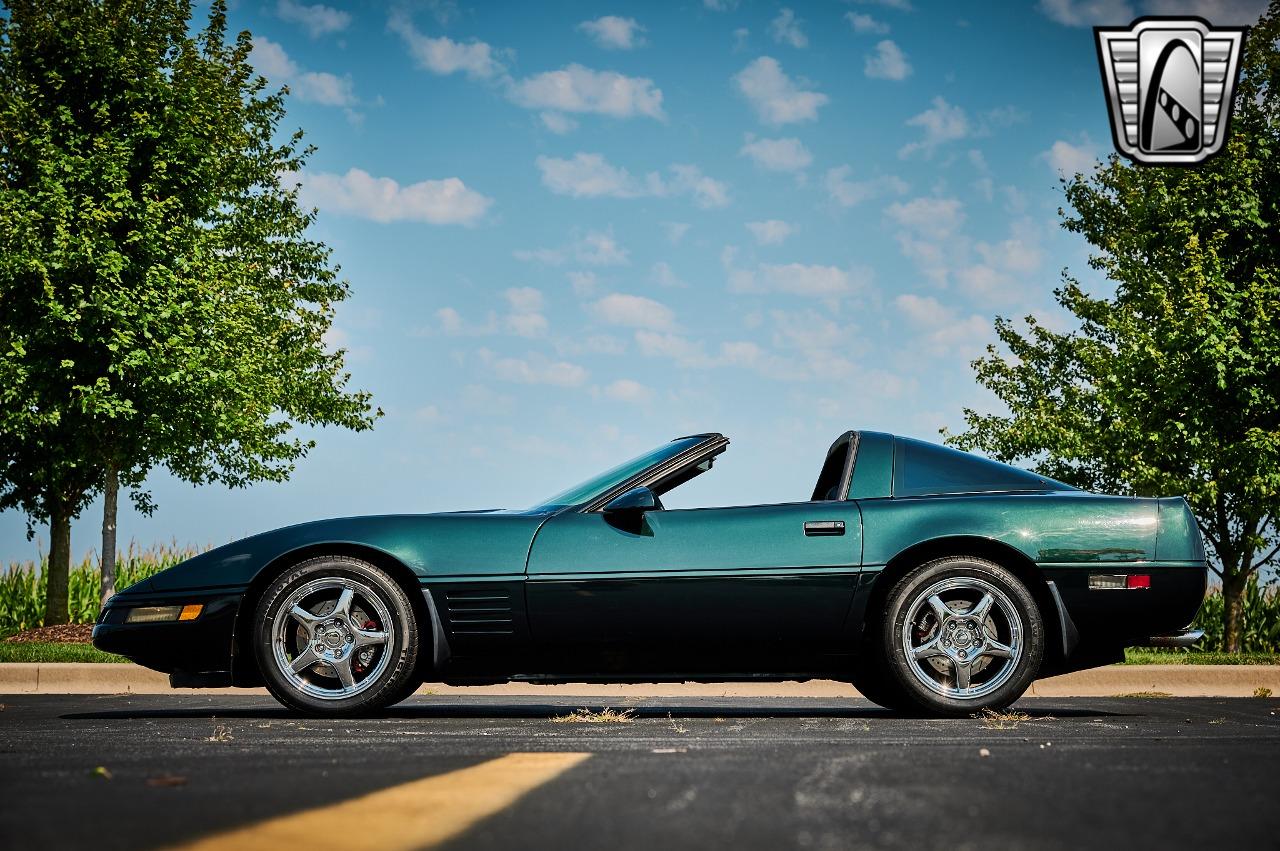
(1111, 681)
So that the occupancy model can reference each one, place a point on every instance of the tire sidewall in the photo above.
(898, 607)
(403, 648)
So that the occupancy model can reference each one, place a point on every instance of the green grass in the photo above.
(1142, 656)
(39, 651)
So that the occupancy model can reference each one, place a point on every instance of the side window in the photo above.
(924, 468)
(832, 475)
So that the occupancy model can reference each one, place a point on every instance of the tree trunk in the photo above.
(110, 494)
(55, 601)
(1232, 612)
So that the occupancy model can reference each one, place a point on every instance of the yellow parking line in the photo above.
(417, 814)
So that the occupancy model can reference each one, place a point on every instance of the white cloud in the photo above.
(558, 122)
(633, 311)
(600, 249)
(900, 5)
(865, 24)
(583, 90)
(777, 154)
(1220, 12)
(931, 217)
(887, 63)
(814, 281)
(358, 193)
(270, 60)
(771, 232)
(740, 36)
(1068, 160)
(720, 5)
(663, 275)
(1086, 13)
(675, 231)
(592, 176)
(443, 55)
(583, 283)
(535, 369)
(596, 248)
(848, 193)
(941, 329)
(786, 29)
(940, 123)
(317, 19)
(776, 97)
(614, 33)
(627, 390)
(525, 318)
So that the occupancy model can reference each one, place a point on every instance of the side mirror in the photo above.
(634, 502)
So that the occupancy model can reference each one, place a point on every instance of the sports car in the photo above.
(934, 581)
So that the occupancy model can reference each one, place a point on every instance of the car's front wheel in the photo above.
(336, 636)
(962, 634)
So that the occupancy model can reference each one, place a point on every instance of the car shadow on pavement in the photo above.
(427, 707)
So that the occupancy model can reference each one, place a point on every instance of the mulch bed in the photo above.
(67, 633)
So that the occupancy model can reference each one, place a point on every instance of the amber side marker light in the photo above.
(1119, 581)
(164, 614)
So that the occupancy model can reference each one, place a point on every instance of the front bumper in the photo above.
(205, 645)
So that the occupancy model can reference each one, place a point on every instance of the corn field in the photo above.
(22, 586)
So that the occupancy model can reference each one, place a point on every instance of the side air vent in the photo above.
(479, 612)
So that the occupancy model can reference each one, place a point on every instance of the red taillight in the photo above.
(1137, 580)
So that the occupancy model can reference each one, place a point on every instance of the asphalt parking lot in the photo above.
(488, 772)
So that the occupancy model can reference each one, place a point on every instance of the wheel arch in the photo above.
(244, 664)
(1059, 630)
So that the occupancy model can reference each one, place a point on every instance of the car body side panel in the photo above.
(726, 577)
(433, 546)
(1063, 528)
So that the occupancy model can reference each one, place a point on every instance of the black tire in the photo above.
(1004, 645)
(378, 673)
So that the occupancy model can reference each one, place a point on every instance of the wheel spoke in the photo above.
(941, 610)
(995, 648)
(304, 617)
(962, 673)
(304, 660)
(980, 611)
(929, 650)
(343, 606)
(342, 668)
(367, 637)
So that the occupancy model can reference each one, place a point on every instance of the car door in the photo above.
(718, 580)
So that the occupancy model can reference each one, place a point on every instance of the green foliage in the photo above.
(1171, 383)
(22, 586)
(1259, 625)
(160, 302)
(39, 651)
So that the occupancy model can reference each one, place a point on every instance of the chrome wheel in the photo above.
(963, 637)
(331, 638)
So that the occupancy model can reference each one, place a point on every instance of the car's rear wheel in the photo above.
(336, 636)
(961, 634)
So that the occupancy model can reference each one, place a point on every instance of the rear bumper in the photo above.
(1131, 617)
(202, 646)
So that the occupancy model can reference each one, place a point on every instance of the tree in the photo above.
(161, 301)
(1171, 384)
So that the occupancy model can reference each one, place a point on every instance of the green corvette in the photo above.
(934, 581)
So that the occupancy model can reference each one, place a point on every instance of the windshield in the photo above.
(596, 485)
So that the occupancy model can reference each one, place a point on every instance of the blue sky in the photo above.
(576, 230)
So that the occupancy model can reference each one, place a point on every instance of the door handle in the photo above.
(823, 527)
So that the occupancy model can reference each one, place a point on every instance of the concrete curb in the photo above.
(1174, 680)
